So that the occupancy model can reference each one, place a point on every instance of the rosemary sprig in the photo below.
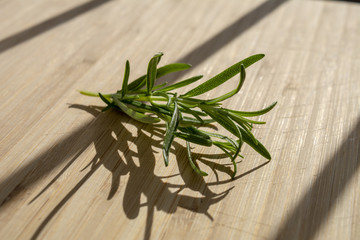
(147, 102)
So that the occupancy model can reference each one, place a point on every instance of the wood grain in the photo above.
(71, 172)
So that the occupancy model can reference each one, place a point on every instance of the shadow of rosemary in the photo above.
(141, 177)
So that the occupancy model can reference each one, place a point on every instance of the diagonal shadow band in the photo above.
(27, 34)
(353, 1)
(313, 209)
(195, 57)
(228, 34)
(15, 183)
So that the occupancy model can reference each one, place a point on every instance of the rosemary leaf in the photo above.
(255, 113)
(169, 136)
(124, 88)
(257, 146)
(223, 76)
(162, 71)
(182, 83)
(134, 114)
(151, 72)
(170, 68)
(192, 164)
(194, 138)
(231, 93)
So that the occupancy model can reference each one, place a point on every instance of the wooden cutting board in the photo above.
(71, 172)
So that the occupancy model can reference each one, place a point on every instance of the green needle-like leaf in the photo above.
(169, 136)
(239, 119)
(233, 158)
(151, 72)
(223, 76)
(105, 100)
(194, 130)
(142, 107)
(223, 120)
(124, 88)
(137, 83)
(233, 144)
(253, 114)
(162, 71)
(194, 138)
(160, 86)
(134, 114)
(170, 68)
(257, 146)
(188, 121)
(181, 84)
(192, 164)
(223, 148)
(196, 114)
(233, 92)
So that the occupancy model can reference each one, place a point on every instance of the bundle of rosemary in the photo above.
(147, 102)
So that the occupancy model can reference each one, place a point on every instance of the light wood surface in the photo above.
(71, 172)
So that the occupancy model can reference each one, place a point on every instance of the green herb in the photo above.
(184, 115)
